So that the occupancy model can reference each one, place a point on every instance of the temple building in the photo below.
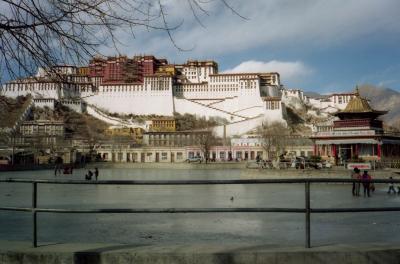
(357, 133)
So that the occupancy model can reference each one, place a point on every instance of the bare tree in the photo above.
(396, 126)
(274, 139)
(205, 141)
(44, 33)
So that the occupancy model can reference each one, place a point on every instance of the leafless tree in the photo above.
(44, 33)
(274, 139)
(396, 126)
(205, 141)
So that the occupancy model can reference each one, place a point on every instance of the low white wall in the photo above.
(139, 103)
(238, 128)
(75, 105)
(99, 115)
(44, 103)
(185, 106)
(275, 115)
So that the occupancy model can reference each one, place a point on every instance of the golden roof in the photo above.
(358, 104)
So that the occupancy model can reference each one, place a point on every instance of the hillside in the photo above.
(11, 109)
(77, 125)
(383, 99)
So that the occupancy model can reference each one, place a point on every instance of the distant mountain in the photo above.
(383, 99)
(312, 94)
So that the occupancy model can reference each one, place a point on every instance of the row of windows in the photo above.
(228, 155)
(136, 156)
(170, 143)
(149, 81)
(167, 136)
(159, 85)
(230, 78)
(223, 85)
(272, 105)
(343, 99)
(124, 89)
(44, 87)
(163, 123)
(78, 79)
(180, 90)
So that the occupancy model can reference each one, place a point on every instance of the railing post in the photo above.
(308, 222)
(34, 216)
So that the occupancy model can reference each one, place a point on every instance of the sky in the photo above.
(316, 45)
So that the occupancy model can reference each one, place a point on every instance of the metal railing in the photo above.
(392, 164)
(307, 210)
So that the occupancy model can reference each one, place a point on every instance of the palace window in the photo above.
(179, 155)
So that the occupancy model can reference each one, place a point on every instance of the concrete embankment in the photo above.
(161, 165)
(250, 173)
(312, 173)
(22, 252)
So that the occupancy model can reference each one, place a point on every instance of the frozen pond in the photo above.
(263, 228)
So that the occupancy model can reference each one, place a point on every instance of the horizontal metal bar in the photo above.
(204, 210)
(355, 210)
(196, 182)
(21, 209)
(159, 210)
(154, 182)
(175, 210)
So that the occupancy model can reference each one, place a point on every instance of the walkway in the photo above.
(20, 252)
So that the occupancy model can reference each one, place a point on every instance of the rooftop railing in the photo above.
(307, 210)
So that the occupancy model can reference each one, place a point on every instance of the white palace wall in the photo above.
(238, 128)
(53, 90)
(154, 97)
(275, 115)
(185, 106)
(140, 103)
(36, 89)
(239, 98)
(233, 97)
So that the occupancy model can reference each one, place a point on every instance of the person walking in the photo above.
(366, 181)
(96, 173)
(391, 187)
(355, 175)
(90, 174)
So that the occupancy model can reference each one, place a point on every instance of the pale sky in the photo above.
(316, 45)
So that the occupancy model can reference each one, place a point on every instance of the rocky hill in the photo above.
(77, 125)
(381, 98)
(11, 110)
(384, 99)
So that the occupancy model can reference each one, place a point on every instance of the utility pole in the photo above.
(13, 148)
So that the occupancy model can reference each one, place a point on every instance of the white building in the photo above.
(237, 97)
(331, 103)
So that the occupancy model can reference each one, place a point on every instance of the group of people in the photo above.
(391, 187)
(368, 186)
(90, 174)
(365, 180)
(59, 169)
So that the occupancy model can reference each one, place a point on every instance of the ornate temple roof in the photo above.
(359, 107)
(358, 104)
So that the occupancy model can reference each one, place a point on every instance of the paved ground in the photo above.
(163, 229)
(19, 252)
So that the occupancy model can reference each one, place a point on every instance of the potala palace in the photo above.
(145, 85)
